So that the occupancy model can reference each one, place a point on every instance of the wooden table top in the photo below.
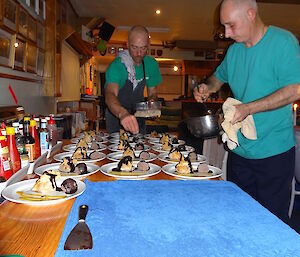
(36, 230)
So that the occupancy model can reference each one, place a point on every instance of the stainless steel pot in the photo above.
(206, 126)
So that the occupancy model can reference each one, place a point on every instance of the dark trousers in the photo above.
(267, 180)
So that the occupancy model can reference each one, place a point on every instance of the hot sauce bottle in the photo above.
(34, 134)
(5, 164)
(13, 150)
(28, 140)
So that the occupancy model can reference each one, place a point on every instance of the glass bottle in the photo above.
(13, 150)
(34, 134)
(28, 140)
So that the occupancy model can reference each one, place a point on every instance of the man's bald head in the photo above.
(240, 4)
(138, 30)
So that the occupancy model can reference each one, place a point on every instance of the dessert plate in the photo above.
(115, 147)
(170, 169)
(154, 141)
(107, 169)
(72, 148)
(165, 158)
(91, 169)
(158, 148)
(75, 140)
(60, 157)
(117, 156)
(10, 193)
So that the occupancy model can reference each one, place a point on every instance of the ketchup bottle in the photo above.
(5, 164)
(34, 134)
(13, 150)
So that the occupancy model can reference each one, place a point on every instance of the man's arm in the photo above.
(152, 93)
(127, 120)
(279, 98)
(212, 85)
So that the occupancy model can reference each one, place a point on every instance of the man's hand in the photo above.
(129, 123)
(201, 93)
(241, 112)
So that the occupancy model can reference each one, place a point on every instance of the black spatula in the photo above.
(80, 236)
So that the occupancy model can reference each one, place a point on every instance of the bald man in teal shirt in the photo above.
(262, 68)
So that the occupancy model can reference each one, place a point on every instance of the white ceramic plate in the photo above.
(9, 193)
(165, 158)
(117, 156)
(107, 170)
(60, 157)
(81, 135)
(72, 148)
(155, 141)
(117, 135)
(148, 136)
(91, 169)
(170, 170)
(75, 140)
(115, 140)
(115, 148)
(158, 148)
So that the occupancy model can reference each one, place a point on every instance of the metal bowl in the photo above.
(204, 126)
(148, 105)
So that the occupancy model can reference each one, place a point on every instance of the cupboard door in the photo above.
(31, 28)
(40, 36)
(23, 22)
(20, 55)
(31, 58)
(40, 63)
(10, 14)
(5, 45)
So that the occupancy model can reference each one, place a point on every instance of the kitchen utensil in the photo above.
(148, 109)
(204, 126)
(80, 236)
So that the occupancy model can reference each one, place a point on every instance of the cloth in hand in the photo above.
(247, 126)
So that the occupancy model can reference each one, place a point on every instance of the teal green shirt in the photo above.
(117, 73)
(258, 71)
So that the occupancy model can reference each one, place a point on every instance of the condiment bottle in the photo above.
(44, 136)
(5, 164)
(34, 134)
(28, 140)
(3, 129)
(13, 150)
(19, 138)
(52, 129)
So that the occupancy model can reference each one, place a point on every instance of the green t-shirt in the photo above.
(117, 73)
(258, 71)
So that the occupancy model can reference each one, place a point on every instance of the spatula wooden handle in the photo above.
(83, 209)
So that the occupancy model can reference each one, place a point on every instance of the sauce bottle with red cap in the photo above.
(34, 134)
(13, 150)
(5, 164)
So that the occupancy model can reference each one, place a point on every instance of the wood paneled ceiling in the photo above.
(189, 20)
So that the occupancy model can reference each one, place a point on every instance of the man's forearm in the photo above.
(213, 84)
(276, 100)
(152, 94)
(115, 106)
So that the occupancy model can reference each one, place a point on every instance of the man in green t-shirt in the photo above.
(262, 68)
(126, 78)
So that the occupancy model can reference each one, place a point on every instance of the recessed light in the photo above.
(16, 44)
(157, 12)
(175, 68)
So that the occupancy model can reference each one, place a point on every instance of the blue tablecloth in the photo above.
(178, 218)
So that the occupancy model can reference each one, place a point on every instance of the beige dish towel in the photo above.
(247, 126)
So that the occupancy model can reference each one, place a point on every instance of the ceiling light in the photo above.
(16, 44)
(157, 12)
(175, 68)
